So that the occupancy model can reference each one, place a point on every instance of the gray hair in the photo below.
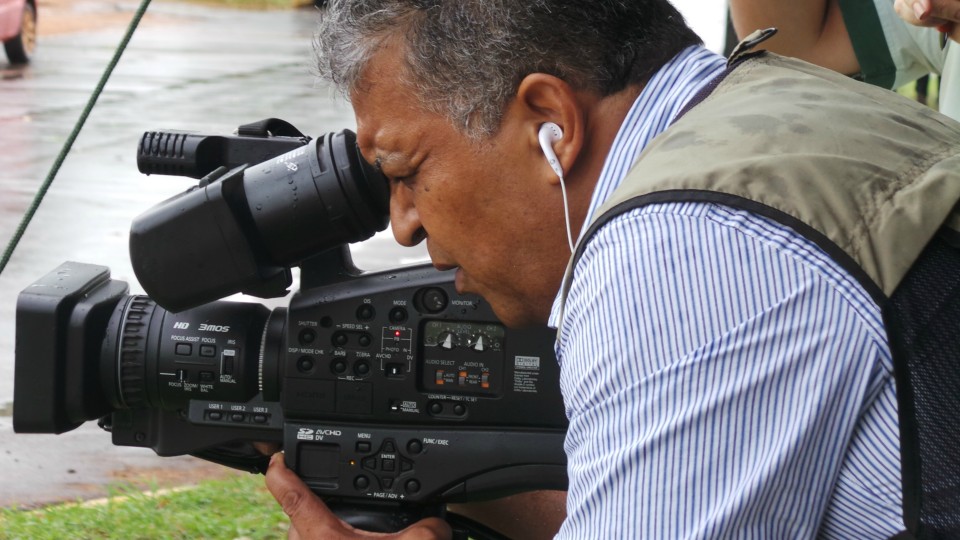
(466, 58)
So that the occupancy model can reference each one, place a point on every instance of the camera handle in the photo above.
(393, 519)
(368, 517)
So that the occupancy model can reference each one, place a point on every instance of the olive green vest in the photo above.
(873, 179)
(868, 175)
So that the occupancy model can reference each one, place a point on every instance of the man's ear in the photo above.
(543, 98)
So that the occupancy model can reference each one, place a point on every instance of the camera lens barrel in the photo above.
(243, 230)
(314, 198)
(152, 358)
(126, 357)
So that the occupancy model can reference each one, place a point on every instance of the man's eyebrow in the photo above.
(387, 159)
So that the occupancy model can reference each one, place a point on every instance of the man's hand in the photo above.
(310, 518)
(940, 14)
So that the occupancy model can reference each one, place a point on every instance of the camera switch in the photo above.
(181, 375)
(361, 483)
(226, 361)
(414, 446)
(365, 312)
(398, 315)
(433, 300)
(305, 364)
(307, 336)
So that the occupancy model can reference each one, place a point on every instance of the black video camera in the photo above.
(390, 393)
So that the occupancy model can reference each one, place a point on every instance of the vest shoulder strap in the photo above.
(868, 175)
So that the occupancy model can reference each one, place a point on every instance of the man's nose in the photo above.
(404, 218)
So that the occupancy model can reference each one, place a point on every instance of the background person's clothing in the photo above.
(892, 53)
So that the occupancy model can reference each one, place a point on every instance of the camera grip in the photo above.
(390, 518)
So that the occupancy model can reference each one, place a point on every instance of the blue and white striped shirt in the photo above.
(722, 375)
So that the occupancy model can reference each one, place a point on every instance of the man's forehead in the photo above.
(388, 135)
(383, 69)
(386, 129)
(380, 93)
(391, 123)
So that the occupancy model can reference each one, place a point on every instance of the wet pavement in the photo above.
(188, 67)
(194, 68)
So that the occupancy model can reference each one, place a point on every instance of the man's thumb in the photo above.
(305, 509)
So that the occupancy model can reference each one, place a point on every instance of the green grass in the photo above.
(236, 508)
(910, 90)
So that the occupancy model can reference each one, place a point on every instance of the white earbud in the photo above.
(550, 133)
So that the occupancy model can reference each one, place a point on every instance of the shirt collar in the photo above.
(663, 97)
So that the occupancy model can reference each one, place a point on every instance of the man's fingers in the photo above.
(941, 15)
(928, 12)
(427, 529)
(311, 519)
(945, 10)
(910, 11)
(267, 449)
(307, 512)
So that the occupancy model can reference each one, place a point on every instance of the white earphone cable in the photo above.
(566, 212)
(548, 134)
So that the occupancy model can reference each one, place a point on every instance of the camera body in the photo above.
(385, 389)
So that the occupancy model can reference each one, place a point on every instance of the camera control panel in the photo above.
(402, 465)
(421, 354)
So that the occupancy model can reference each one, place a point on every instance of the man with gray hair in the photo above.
(691, 227)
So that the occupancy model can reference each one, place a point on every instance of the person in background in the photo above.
(939, 14)
(888, 43)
